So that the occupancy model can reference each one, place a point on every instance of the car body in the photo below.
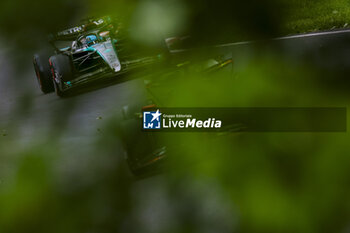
(91, 52)
(147, 151)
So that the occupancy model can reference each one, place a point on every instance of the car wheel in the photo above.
(43, 73)
(61, 71)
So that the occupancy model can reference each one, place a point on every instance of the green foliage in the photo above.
(243, 182)
(309, 16)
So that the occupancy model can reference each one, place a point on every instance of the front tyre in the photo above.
(43, 73)
(61, 69)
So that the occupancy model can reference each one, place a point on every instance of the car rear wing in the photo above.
(71, 34)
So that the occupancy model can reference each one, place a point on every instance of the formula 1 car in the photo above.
(92, 53)
(146, 152)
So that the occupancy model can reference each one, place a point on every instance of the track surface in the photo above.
(27, 117)
(24, 108)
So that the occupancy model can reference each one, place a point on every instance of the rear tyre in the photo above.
(43, 73)
(61, 69)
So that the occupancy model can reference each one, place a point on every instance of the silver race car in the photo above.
(91, 52)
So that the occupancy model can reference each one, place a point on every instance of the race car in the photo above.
(146, 152)
(92, 53)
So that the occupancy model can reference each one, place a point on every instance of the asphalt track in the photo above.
(27, 115)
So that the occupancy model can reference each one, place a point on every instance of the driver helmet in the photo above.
(91, 39)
